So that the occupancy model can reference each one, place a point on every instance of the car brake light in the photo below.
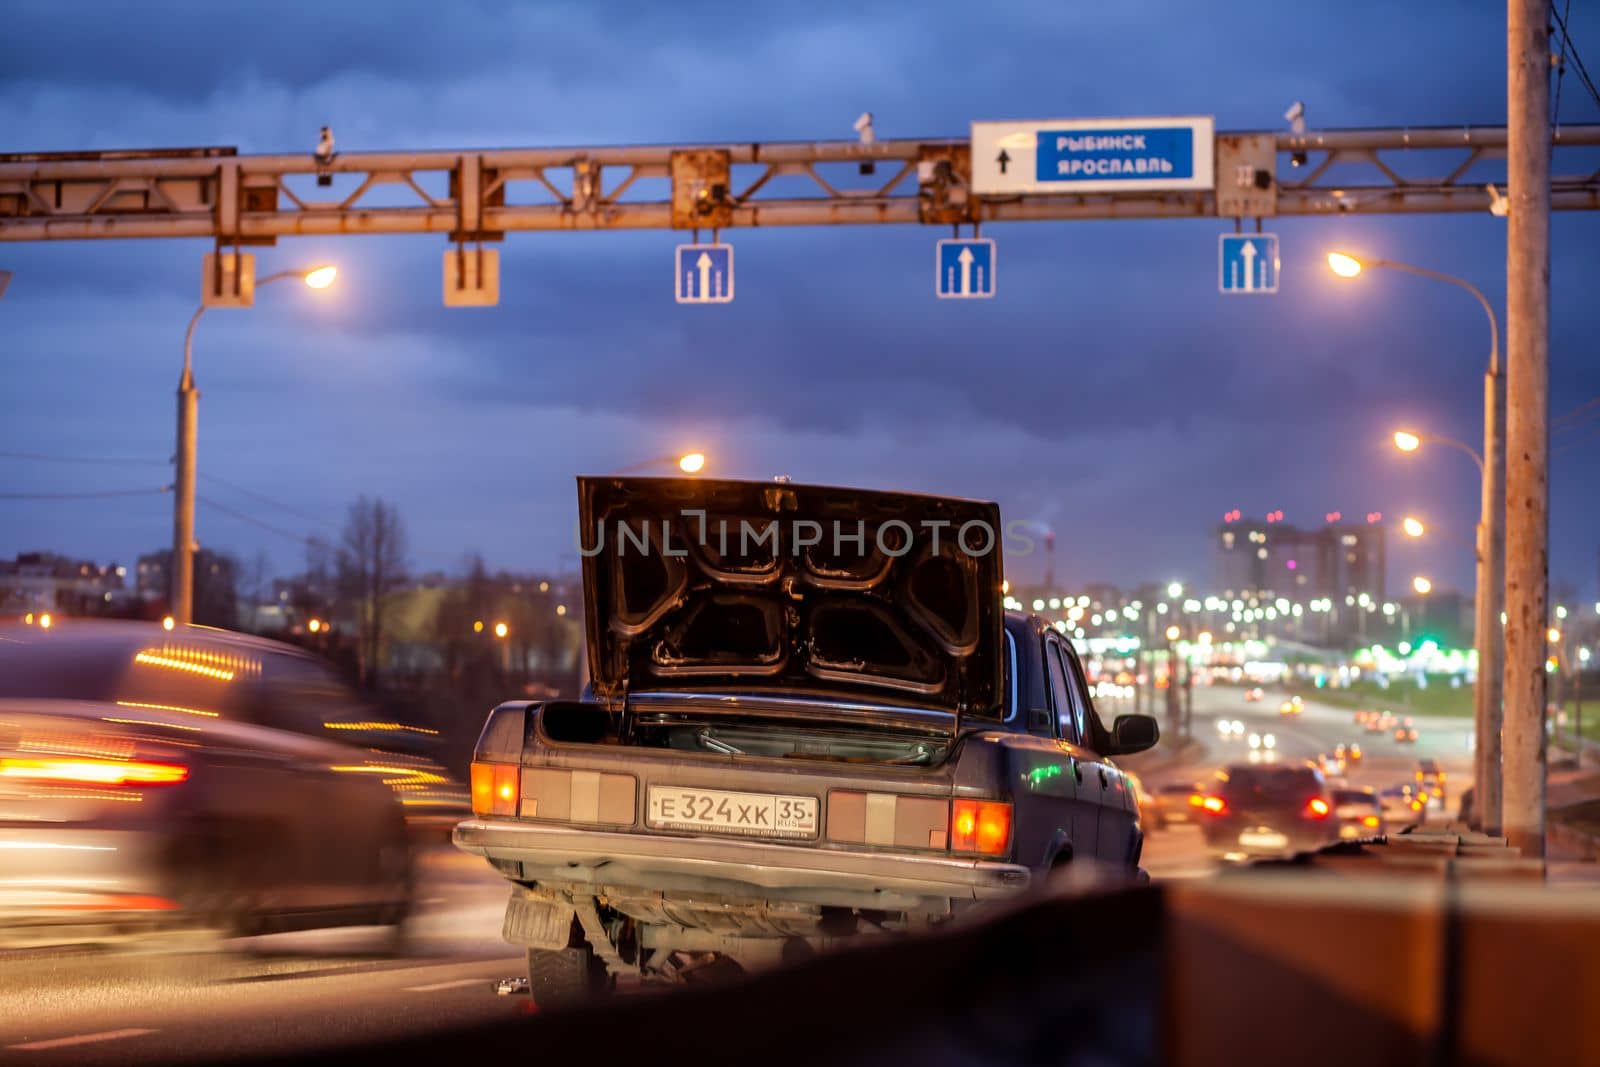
(494, 788)
(1370, 821)
(96, 771)
(1316, 808)
(1196, 800)
(980, 826)
(1215, 805)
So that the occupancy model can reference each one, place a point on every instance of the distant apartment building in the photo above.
(1269, 558)
(47, 582)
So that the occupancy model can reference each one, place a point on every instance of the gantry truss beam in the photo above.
(483, 194)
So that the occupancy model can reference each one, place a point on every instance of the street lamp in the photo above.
(688, 463)
(1422, 585)
(1491, 540)
(182, 578)
(1413, 527)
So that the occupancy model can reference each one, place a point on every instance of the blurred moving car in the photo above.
(1253, 695)
(1431, 780)
(1148, 815)
(1331, 764)
(1403, 805)
(1292, 706)
(1380, 722)
(1360, 813)
(1350, 753)
(1405, 732)
(792, 745)
(1175, 802)
(1267, 810)
(152, 779)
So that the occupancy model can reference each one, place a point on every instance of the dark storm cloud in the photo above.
(1109, 390)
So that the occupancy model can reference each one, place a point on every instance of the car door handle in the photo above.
(1077, 770)
(1104, 781)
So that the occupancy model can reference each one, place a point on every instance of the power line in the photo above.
(39, 457)
(1561, 72)
(259, 498)
(1569, 45)
(252, 520)
(85, 496)
(1575, 412)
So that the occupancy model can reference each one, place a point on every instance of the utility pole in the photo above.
(1527, 414)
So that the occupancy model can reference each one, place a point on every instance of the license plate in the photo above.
(750, 814)
(1263, 839)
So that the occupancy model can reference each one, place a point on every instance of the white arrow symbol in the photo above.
(1248, 254)
(704, 263)
(965, 258)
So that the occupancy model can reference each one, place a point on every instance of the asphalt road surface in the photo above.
(316, 990)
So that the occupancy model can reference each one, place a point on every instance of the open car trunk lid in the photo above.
(768, 588)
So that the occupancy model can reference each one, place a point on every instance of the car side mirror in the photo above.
(1134, 733)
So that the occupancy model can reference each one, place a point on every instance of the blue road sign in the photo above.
(1093, 155)
(704, 274)
(964, 269)
(1248, 263)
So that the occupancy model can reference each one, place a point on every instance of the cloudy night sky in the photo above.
(1109, 392)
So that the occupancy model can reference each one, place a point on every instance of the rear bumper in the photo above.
(850, 878)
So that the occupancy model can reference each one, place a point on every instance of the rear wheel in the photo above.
(565, 975)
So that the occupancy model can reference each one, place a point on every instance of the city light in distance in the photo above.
(1413, 526)
(1422, 585)
(501, 629)
(692, 462)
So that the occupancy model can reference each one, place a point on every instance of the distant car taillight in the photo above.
(1371, 822)
(494, 788)
(982, 826)
(1316, 808)
(1213, 805)
(84, 769)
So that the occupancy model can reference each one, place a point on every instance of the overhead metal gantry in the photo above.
(473, 196)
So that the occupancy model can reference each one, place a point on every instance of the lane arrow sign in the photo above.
(704, 263)
(965, 259)
(1248, 254)
(1004, 159)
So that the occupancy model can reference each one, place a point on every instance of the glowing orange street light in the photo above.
(1422, 585)
(1406, 441)
(1344, 266)
(1413, 527)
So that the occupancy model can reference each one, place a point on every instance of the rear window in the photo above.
(1270, 783)
(1343, 797)
(1176, 788)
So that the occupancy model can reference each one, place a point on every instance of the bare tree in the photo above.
(372, 553)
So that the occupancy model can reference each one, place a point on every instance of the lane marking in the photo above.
(81, 1039)
(457, 984)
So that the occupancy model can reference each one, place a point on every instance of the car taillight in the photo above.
(1371, 822)
(494, 788)
(1215, 805)
(1316, 808)
(980, 826)
(83, 769)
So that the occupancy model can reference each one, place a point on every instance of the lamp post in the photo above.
(1491, 542)
(182, 577)
(688, 463)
